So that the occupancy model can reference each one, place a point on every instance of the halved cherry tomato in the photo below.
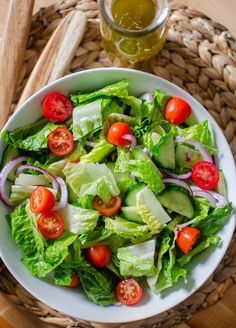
(116, 133)
(51, 225)
(41, 200)
(177, 110)
(74, 280)
(109, 208)
(186, 238)
(99, 255)
(57, 107)
(205, 175)
(129, 292)
(60, 141)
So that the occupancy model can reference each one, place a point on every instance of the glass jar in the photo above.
(134, 30)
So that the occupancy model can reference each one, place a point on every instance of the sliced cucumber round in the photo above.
(177, 199)
(131, 213)
(164, 152)
(130, 199)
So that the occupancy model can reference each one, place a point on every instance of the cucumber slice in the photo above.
(177, 199)
(131, 213)
(130, 199)
(221, 186)
(9, 153)
(164, 152)
(186, 157)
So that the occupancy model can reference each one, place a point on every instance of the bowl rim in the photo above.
(59, 82)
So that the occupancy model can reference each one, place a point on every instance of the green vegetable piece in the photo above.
(119, 89)
(79, 220)
(123, 179)
(151, 211)
(164, 152)
(33, 137)
(131, 213)
(221, 187)
(9, 153)
(137, 260)
(100, 151)
(186, 157)
(201, 133)
(177, 199)
(130, 199)
(86, 119)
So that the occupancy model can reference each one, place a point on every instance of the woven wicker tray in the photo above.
(200, 57)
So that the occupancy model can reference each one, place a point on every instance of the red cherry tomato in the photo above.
(129, 292)
(99, 255)
(205, 175)
(60, 141)
(186, 238)
(41, 200)
(51, 225)
(57, 107)
(116, 133)
(74, 280)
(109, 208)
(177, 110)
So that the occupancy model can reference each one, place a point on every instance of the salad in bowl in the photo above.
(112, 192)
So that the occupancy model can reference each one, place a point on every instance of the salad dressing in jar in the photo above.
(134, 30)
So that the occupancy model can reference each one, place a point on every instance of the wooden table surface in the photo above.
(222, 314)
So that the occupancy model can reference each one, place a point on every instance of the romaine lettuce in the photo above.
(31, 138)
(79, 220)
(91, 179)
(137, 260)
(119, 89)
(100, 151)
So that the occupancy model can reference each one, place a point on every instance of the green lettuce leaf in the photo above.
(123, 179)
(90, 179)
(40, 264)
(201, 133)
(163, 248)
(141, 167)
(160, 99)
(87, 118)
(137, 260)
(79, 220)
(171, 271)
(212, 240)
(110, 106)
(100, 151)
(25, 231)
(119, 89)
(30, 137)
(127, 230)
(215, 220)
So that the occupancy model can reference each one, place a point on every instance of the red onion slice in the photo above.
(179, 183)
(221, 200)
(64, 195)
(146, 96)
(131, 138)
(185, 176)
(199, 146)
(146, 152)
(90, 144)
(204, 194)
(55, 183)
(3, 177)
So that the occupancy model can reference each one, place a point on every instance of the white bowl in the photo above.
(74, 302)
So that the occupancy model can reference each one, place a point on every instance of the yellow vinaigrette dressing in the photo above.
(134, 30)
